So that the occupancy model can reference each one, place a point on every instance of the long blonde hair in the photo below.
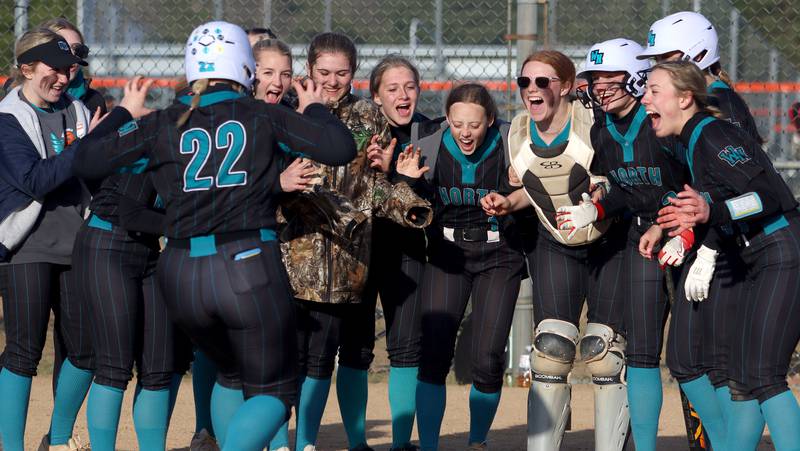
(687, 77)
(27, 41)
(198, 88)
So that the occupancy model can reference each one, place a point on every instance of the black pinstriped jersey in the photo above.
(216, 173)
(733, 172)
(643, 170)
(462, 180)
(733, 108)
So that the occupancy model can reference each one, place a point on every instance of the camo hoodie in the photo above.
(327, 233)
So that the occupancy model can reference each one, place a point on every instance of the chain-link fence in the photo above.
(449, 40)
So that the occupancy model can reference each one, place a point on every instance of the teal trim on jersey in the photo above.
(774, 224)
(693, 140)
(212, 98)
(288, 151)
(202, 246)
(718, 84)
(268, 235)
(97, 222)
(159, 202)
(469, 163)
(560, 139)
(626, 141)
(78, 87)
(137, 167)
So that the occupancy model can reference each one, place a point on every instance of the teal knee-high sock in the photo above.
(174, 388)
(281, 439)
(644, 398)
(745, 425)
(783, 418)
(254, 424)
(725, 401)
(352, 391)
(482, 408)
(150, 417)
(102, 416)
(402, 402)
(73, 384)
(313, 397)
(704, 399)
(224, 404)
(204, 376)
(15, 392)
(431, 402)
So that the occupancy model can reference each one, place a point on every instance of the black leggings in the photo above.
(30, 291)
(489, 273)
(238, 312)
(130, 322)
(768, 326)
(396, 270)
(564, 277)
(700, 333)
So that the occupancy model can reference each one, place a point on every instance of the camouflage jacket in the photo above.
(326, 233)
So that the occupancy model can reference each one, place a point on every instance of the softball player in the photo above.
(325, 271)
(221, 259)
(41, 206)
(741, 192)
(644, 172)
(398, 262)
(550, 150)
(690, 36)
(469, 255)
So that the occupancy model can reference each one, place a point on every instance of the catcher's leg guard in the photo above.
(549, 396)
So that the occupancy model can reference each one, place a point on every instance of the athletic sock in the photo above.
(224, 404)
(644, 398)
(701, 394)
(281, 439)
(402, 403)
(255, 423)
(102, 416)
(174, 387)
(431, 402)
(15, 392)
(352, 392)
(745, 425)
(482, 408)
(725, 401)
(204, 376)
(150, 417)
(73, 384)
(783, 419)
(313, 397)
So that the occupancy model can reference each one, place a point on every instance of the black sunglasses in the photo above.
(541, 82)
(80, 50)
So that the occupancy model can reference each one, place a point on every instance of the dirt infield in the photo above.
(508, 432)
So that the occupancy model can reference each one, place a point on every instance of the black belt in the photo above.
(767, 225)
(201, 246)
(471, 234)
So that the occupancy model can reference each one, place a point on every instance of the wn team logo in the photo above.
(596, 56)
(733, 155)
(651, 39)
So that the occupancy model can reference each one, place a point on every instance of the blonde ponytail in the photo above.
(198, 88)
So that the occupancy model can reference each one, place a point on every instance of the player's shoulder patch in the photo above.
(128, 128)
(733, 155)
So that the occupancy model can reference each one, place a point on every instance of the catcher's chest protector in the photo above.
(553, 177)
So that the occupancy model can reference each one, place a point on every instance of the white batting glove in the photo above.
(673, 253)
(574, 217)
(700, 273)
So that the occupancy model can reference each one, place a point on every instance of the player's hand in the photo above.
(685, 211)
(308, 92)
(700, 274)
(495, 204)
(380, 158)
(574, 217)
(513, 178)
(408, 163)
(134, 96)
(598, 191)
(673, 253)
(298, 176)
(649, 241)
(97, 118)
